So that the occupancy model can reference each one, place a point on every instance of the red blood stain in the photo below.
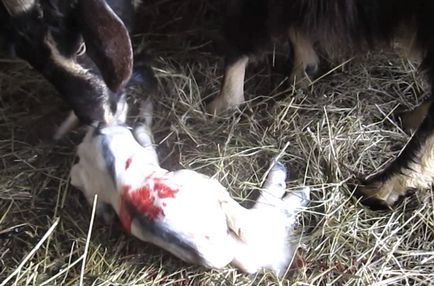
(143, 199)
(144, 202)
(128, 163)
(163, 190)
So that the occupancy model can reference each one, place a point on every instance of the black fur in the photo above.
(251, 24)
(108, 59)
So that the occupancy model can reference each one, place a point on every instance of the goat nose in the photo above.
(279, 166)
(304, 195)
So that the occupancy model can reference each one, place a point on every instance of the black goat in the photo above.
(339, 26)
(82, 47)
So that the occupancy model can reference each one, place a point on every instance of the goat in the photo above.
(184, 212)
(82, 47)
(339, 27)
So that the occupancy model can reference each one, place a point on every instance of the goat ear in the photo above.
(107, 41)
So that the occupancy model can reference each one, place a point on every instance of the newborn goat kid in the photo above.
(186, 213)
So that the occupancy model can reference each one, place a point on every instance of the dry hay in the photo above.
(342, 125)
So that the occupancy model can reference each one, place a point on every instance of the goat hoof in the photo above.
(279, 166)
(303, 195)
(220, 104)
(278, 172)
(296, 201)
(311, 70)
(302, 77)
(382, 195)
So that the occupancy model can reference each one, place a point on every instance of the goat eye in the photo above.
(81, 50)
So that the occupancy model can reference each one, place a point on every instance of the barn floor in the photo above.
(343, 124)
